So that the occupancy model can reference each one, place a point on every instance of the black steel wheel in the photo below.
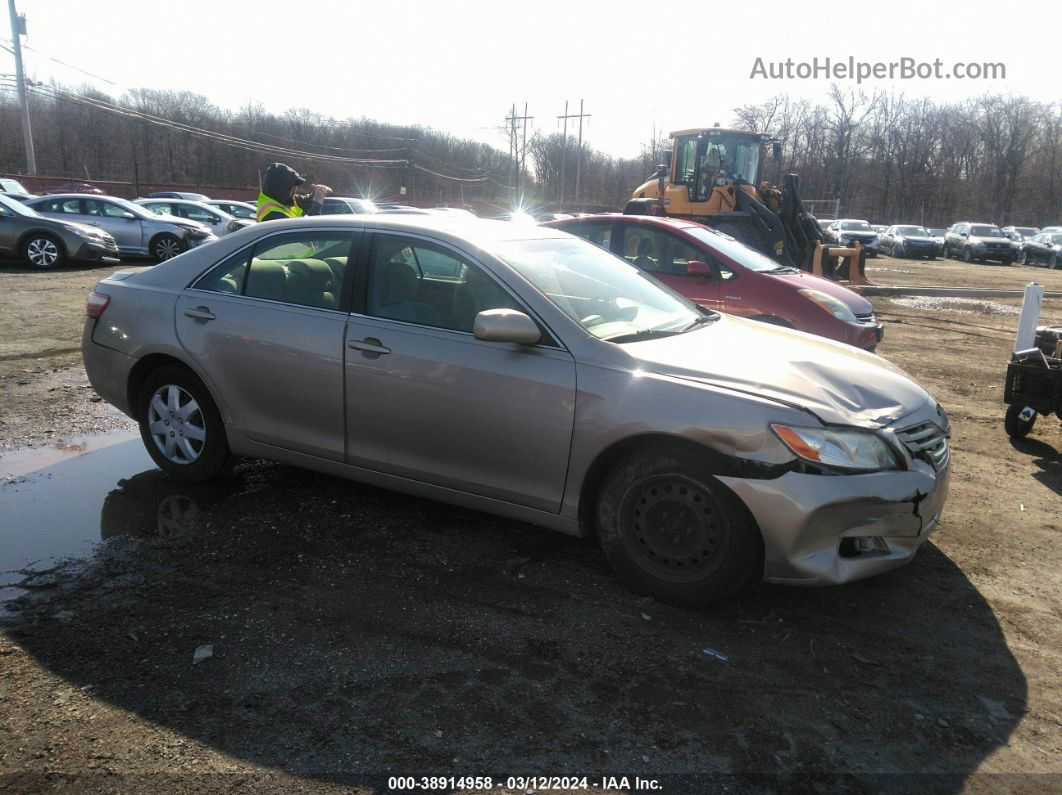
(1015, 424)
(671, 529)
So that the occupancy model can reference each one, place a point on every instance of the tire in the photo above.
(1013, 424)
(166, 246)
(43, 251)
(1025, 259)
(1007, 262)
(1053, 261)
(966, 255)
(670, 529)
(897, 252)
(187, 442)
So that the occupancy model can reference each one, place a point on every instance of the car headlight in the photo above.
(195, 231)
(828, 303)
(849, 450)
(978, 244)
(85, 233)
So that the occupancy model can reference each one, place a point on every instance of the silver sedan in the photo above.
(525, 372)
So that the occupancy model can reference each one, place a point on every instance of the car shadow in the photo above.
(355, 633)
(1046, 457)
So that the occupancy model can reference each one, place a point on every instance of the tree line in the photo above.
(883, 157)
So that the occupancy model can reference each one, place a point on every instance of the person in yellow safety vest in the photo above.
(279, 197)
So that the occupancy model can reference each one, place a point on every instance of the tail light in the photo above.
(95, 304)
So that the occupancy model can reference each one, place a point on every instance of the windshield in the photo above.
(1025, 231)
(1056, 239)
(739, 252)
(12, 186)
(17, 207)
(985, 231)
(913, 231)
(599, 291)
(855, 226)
(938, 232)
(158, 209)
(238, 210)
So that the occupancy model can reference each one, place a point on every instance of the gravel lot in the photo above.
(355, 634)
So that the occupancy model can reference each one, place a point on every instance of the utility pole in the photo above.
(564, 151)
(18, 28)
(523, 156)
(517, 151)
(579, 152)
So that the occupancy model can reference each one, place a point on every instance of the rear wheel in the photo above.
(671, 529)
(166, 246)
(43, 251)
(1019, 421)
(181, 426)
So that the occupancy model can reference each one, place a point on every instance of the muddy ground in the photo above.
(356, 634)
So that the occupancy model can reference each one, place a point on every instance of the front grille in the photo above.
(928, 442)
(866, 317)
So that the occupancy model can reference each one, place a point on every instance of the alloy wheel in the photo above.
(167, 248)
(176, 424)
(42, 252)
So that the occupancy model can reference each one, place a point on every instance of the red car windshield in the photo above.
(739, 252)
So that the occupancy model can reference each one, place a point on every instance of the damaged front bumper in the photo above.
(805, 519)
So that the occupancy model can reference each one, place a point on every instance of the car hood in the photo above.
(858, 235)
(838, 383)
(803, 280)
(918, 238)
(979, 239)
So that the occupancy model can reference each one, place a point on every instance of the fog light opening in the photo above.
(863, 547)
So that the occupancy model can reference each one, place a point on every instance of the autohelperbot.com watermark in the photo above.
(851, 69)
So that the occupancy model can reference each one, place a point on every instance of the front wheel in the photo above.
(671, 529)
(1019, 421)
(43, 251)
(897, 251)
(181, 426)
(166, 246)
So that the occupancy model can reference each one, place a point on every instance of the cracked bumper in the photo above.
(803, 519)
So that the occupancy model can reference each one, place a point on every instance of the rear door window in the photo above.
(303, 268)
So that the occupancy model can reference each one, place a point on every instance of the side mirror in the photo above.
(506, 325)
(128, 216)
(696, 267)
(964, 234)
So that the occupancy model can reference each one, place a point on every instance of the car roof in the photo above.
(474, 230)
(656, 220)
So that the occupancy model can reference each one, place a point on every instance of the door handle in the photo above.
(369, 345)
(200, 313)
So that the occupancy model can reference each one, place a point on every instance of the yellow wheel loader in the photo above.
(713, 176)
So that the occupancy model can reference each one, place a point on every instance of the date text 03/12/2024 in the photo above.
(522, 783)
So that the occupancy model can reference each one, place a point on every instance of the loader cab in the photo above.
(706, 159)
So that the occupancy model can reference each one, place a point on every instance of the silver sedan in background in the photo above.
(135, 229)
(525, 372)
(215, 219)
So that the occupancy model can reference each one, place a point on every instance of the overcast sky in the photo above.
(459, 66)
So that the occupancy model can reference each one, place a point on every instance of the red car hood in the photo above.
(840, 384)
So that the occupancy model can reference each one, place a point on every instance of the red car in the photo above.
(717, 272)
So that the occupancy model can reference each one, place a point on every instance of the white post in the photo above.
(1030, 316)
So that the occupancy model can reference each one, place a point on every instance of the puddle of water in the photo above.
(17, 463)
(61, 511)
